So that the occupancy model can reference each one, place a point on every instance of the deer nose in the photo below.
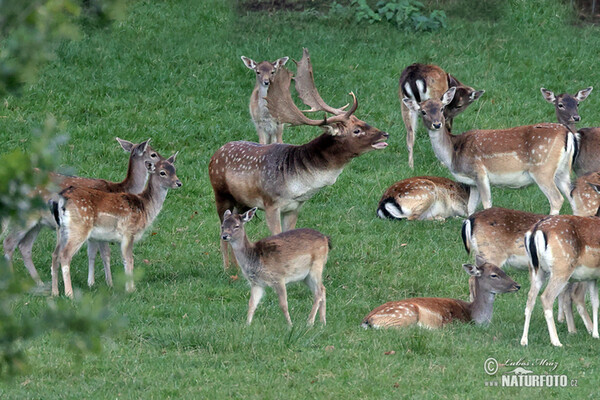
(517, 286)
(225, 237)
(179, 184)
(266, 83)
(385, 134)
(576, 118)
(437, 125)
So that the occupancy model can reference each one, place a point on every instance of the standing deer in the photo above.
(435, 312)
(84, 213)
(421, 82)
(514, 157)
(586, 200)
(424, 197)
(567, 113)
(24, 236)
(497, 235)
(292, 256)
(562, 247)
(279, 178)
(268, 128)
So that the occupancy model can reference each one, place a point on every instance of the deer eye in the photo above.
(257, 72)
(163, 173)
(153, 155)
(561, 105)
(237, 226)
(356, 131)
(273, 72)
(494, 276)
(423, 112)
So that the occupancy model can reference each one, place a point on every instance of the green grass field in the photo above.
(171, 71)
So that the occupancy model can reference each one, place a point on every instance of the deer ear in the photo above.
(411, 104)
(595, 186)
(548, 95)
(247, 216)
(281, 62)
(583, 94)
(472, 270)
(125, 144)
(475, 95)
(479, 260)
(248, 62)
(226, 214)
(172, 158)
(141, 148)
(448, 96)
(150, 167)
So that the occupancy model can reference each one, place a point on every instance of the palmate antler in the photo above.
(282, 107)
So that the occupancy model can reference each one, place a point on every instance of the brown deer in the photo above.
(586, 200)
(567, 113)
(268, 128)
(435, 312)
(514, 157)
(421, 82)
(497, 235)
(292, 256)
(24, 237)
(562, 248)
(424, 197)
(279, 178)
(84, 213)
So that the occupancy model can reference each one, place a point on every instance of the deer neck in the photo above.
(153, 198)
(325, 152)
(245, 254)
(482, 306)
(136, 177)
(442, 142)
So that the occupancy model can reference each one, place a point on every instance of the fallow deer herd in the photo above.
(279, 178)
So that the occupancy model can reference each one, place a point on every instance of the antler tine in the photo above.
(280, 103)
(305, 86)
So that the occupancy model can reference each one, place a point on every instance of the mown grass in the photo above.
(171, 71)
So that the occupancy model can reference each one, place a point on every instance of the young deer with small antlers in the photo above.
(134, 182)
(514, 157)
(424, 197)
(567, 113)
(268, 128)
(421, 82)
(84, 213)
(279, 178)
(292, 256)
(435, 312)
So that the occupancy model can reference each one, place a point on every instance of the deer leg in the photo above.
(256, 293)
(537, 280)
(289, 220)
(262, 136)
(65, 256)
(54, 270)
(473, 200)
(593, 287)
(273, 219)
(92, 249)
(548, 187)
(318, 297)
(565, 305)
(555, 285)
(127, 253)
(283, 304)
(562, 179)
(279, 133)
(483, 186)
(25, 247)
(105, 255)
(578, 297)
(410, 122)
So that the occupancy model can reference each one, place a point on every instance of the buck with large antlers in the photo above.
(424, 197)
(24, 236)
(84, 213)
(514, 157)
(435, 312)
(279, 178)
(292, 256)
(567, 113)
(268, 128)
(421, 82)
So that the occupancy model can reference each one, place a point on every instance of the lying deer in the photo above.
(514, 157)
(563, 248)
(567, 113)
(24, 236)
(292, 256)
(435, 312)
(268, 128)
(424, 197)
(497, 235)
(84, 213)
(279, 178)
(421, 82)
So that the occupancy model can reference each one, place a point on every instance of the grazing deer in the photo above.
(279, 178)
(424, 197)
(567, 113)
(435, 312)
(24, 236)
(562, 247)
(292, 256)
(497, 235)
(84, 213)
(421, 82)
(514, 157)
(268, 128)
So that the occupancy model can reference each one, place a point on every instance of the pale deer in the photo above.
(514, 157)
(498, 236)
(292, 256)
(84, 213)
(435, 312)
(23, 236)
(279, 178)
(424, 197)
(268, 128)
(567, 113)
(563, 247)
(421, 82)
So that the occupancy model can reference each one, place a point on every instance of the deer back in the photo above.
(587, 160)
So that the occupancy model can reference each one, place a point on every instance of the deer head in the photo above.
(432, 110)
(566, 105)
(266, 70)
